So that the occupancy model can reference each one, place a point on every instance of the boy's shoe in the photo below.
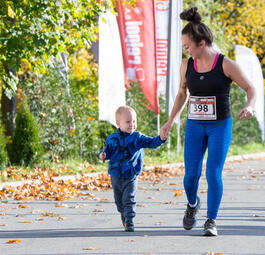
(129, 226)
(190, 218)
(210, 228)
(123, 220)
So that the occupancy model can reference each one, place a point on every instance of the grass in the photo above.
(152, 157)
(173, 157)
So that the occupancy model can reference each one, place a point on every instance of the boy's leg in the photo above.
(220, 135)
(128, 197)
(117, 190)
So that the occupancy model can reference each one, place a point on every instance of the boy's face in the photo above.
(127, 122)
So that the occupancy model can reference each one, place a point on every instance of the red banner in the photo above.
(137, 33)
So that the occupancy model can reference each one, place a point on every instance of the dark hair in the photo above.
(195, 29)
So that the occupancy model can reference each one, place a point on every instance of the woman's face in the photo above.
(190, 47)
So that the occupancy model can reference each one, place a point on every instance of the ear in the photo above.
(118, 123)
(202, 43)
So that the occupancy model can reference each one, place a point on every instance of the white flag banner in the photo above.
(111, 88)
(161, 19)
(168, 47)
(175, 52)
(249, 63)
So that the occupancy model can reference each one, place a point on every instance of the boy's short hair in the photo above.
(122, 109)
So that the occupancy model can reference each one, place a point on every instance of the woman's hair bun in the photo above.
(191, 15)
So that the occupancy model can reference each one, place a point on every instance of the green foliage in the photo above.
(244, 131)
(50, 104)
(3, 152)
(25, 148)
(33, 30)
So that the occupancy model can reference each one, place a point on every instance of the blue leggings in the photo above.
(216, 135)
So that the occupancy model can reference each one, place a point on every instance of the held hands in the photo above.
(164, 131)
(246, 113)
(102, 155)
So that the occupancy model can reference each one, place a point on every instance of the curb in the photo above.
(238, 158)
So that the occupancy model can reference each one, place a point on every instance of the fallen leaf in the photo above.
(178, 194)
(22, 206)
(91, 248)
(40, 219)
(62, 218)
(130, 240)
(256, 215)
(98, 210)
(25, 221)
(14, 241)
(61, 205)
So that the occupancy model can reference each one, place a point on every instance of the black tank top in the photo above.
(212, 83)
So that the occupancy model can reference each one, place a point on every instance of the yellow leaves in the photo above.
(72, 131)
(10, 12)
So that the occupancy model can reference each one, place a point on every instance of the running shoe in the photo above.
(190, 218)
(129, 226)
(210, 228)
(123, 220)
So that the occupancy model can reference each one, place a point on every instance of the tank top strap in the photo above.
(219, 63)
(189, 65)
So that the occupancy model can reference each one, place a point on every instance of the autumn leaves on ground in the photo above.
(43, 184)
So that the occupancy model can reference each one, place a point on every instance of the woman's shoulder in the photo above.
(186, 61)
(228, 66)
(184, 67)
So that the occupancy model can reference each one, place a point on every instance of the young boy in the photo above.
(124, 149)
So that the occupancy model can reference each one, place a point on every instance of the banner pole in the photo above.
(158, 123)
(168, 64)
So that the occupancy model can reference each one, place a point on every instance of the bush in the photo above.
(25, 148)
(3, 152)
(50, 104)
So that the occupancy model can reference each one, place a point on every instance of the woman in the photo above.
(205, 83)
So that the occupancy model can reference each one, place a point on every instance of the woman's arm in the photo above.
(180, 100)
(233, 71)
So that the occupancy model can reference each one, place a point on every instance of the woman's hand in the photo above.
(246, 113)
(164, 131)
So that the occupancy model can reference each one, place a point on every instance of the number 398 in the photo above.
(200, 108)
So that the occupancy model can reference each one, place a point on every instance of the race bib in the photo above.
(202, 108)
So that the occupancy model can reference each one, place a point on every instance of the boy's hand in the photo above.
(163, 137)
(102, 155)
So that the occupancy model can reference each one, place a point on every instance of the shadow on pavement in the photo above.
(241, 230)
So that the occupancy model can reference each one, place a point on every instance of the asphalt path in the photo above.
(78, 226)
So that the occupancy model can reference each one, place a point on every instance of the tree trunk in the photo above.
(8, 108)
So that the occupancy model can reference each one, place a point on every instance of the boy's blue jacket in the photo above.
(125, 152)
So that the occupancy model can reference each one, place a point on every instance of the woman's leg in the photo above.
(219, 139)
(194, 149)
